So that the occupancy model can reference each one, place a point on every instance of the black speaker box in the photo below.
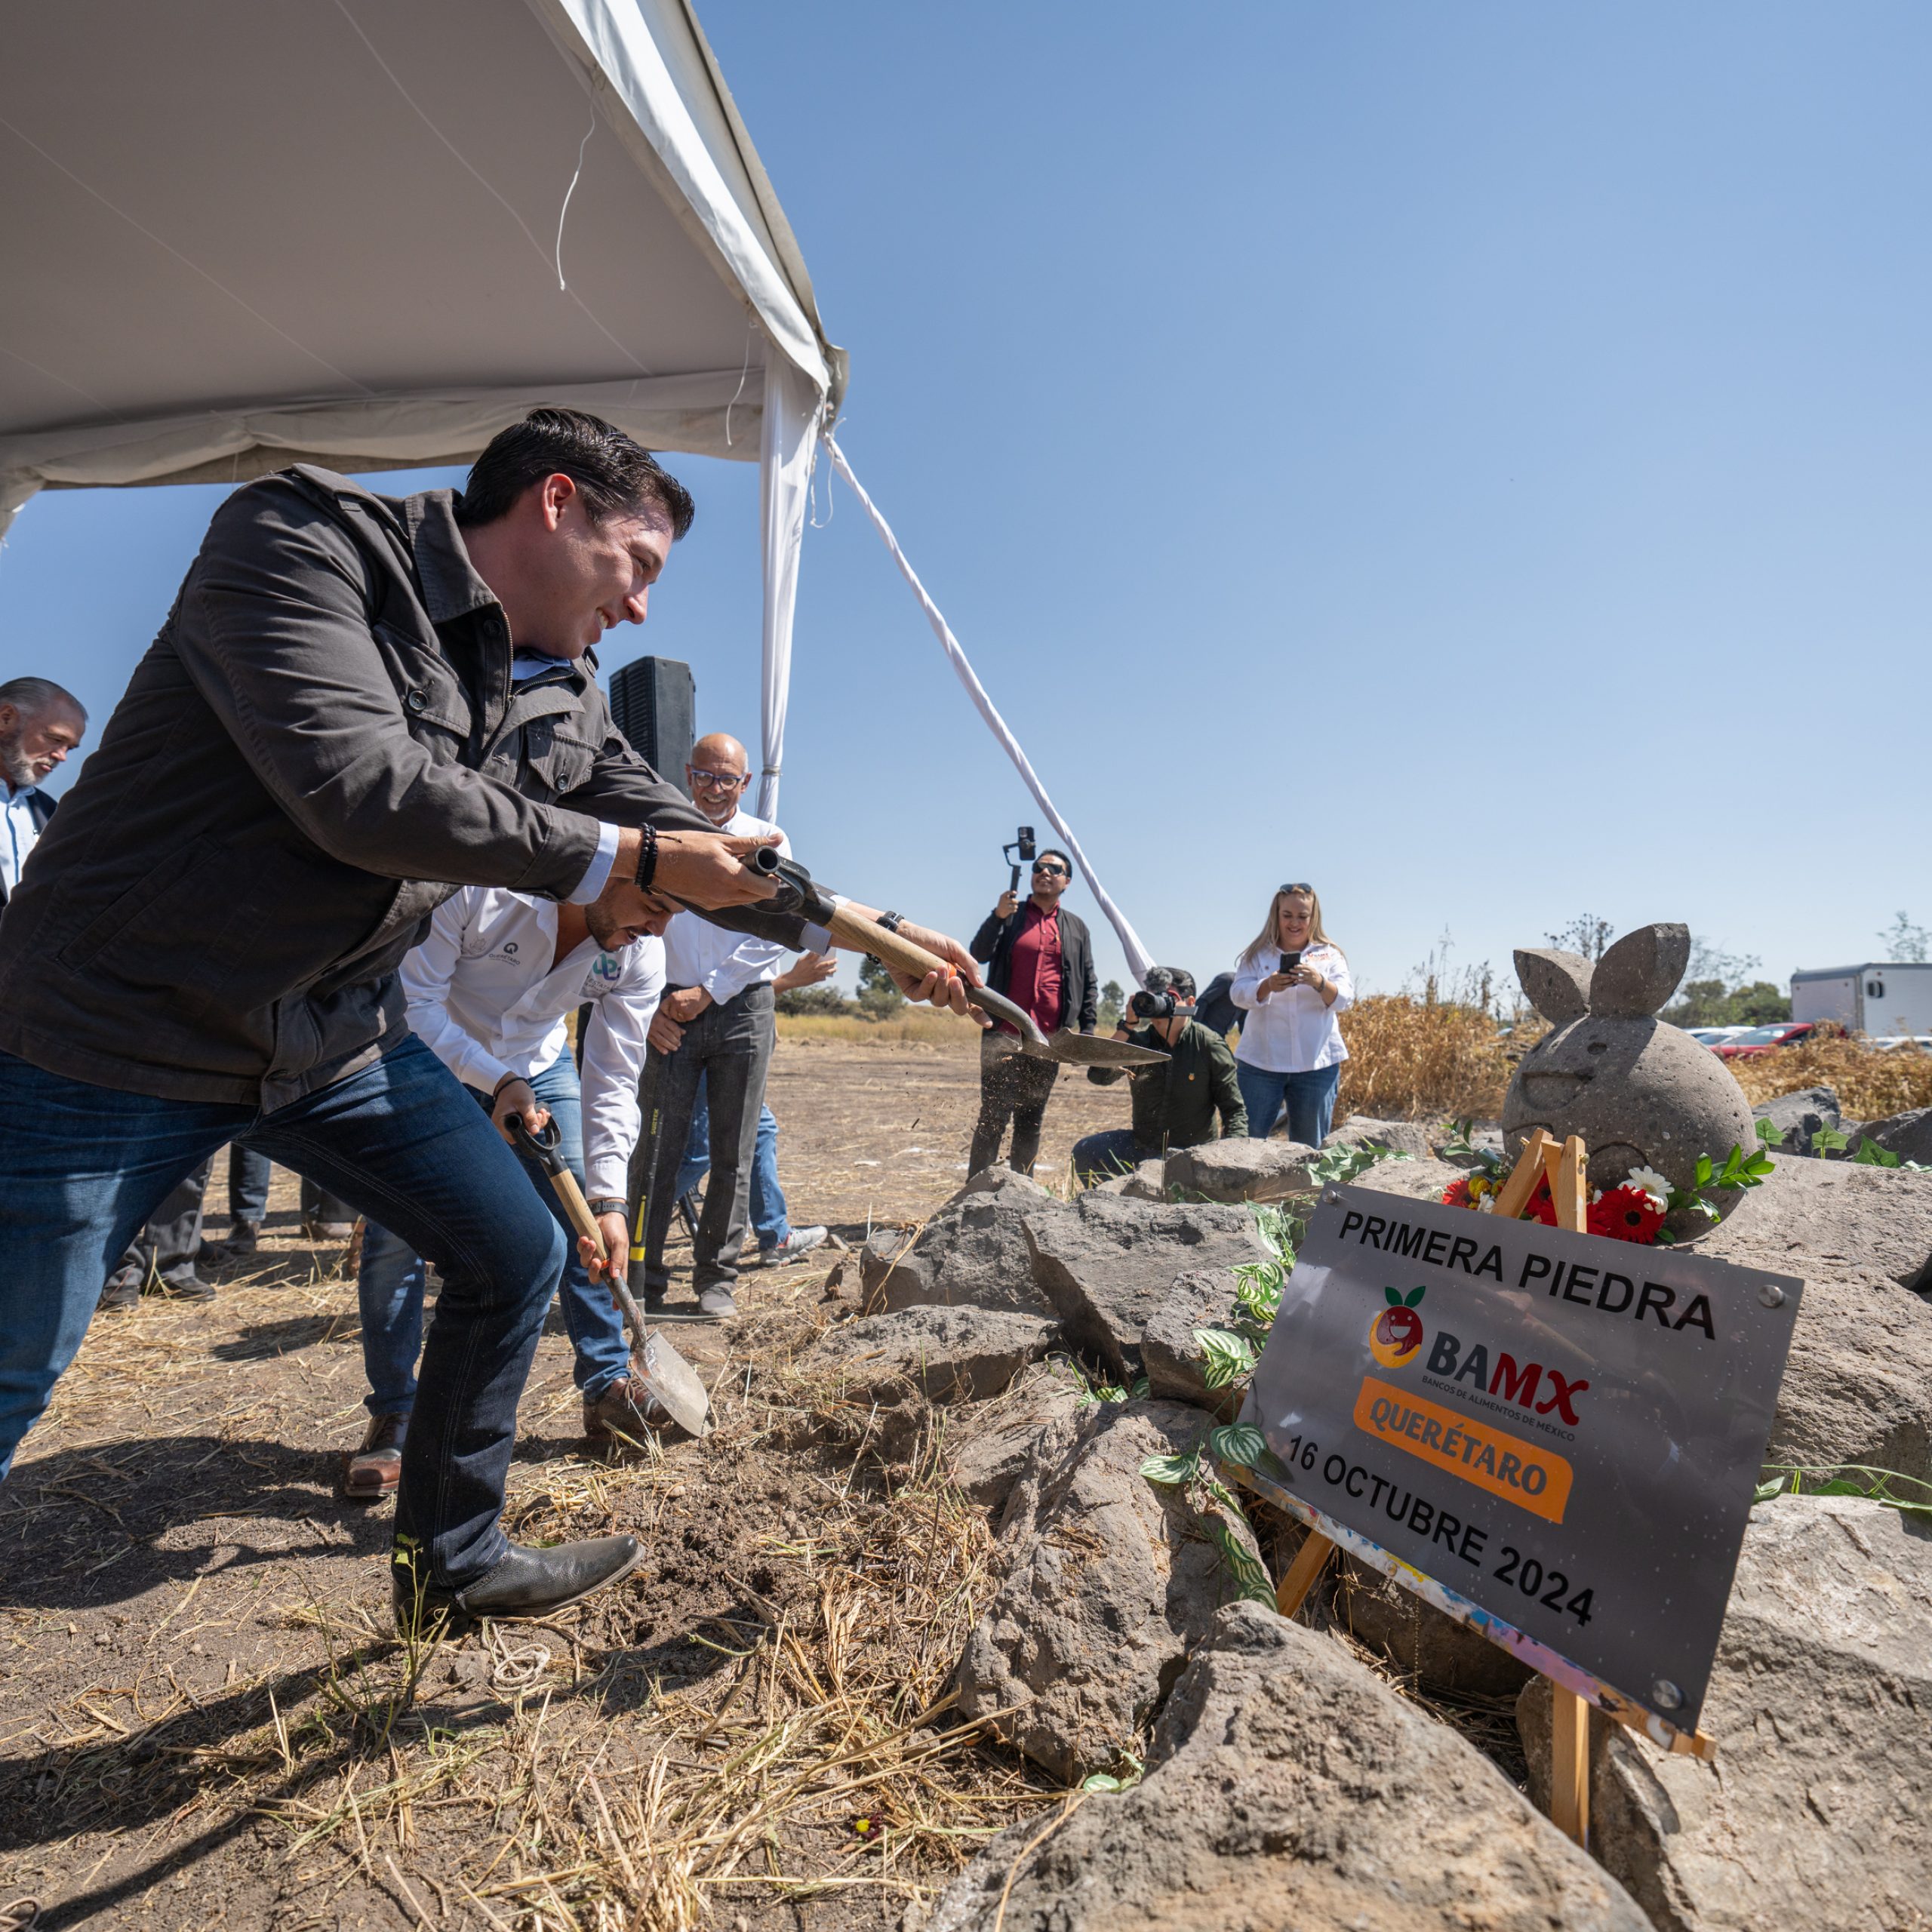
(653, 702)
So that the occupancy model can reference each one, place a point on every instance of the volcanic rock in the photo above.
(1813, 1814)
(1147, 1182)
(1176, 1364)
(1291, 1788)
(1415, 1636)
(972, 1253)
(993, 1444)
(1400, 1137)
(1798, 1116)
(1908, 1135)
(946, 1354)
(1108, 1583)
(1239, 1170)
(1106, 1264)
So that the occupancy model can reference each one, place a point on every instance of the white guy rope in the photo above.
(1139, 959)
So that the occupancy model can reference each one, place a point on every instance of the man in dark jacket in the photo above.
(1174, 1104)
(356, 704)
(1040, 956)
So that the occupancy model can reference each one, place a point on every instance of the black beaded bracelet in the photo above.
(647, 858)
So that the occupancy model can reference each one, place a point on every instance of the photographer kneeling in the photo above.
(1175, 1103)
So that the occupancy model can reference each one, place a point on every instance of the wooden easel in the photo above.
(1563, 1165)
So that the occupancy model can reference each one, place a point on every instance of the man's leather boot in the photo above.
(526, 1583)
(372, 1472)
(626, 1412)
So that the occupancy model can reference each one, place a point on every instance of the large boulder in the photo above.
(1291, 1788)
(991, 1445)
(1400, 1137)
(1176, 1364)
(972, 1253)
(1107, 1583)
(1106, 1264)
(1239, 1170)
(1814, 1813)
(946, 1354)
(1797, 1117)
(1908, 1135)
(1146, 1182)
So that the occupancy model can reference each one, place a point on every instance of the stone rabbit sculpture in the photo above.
(1640, 1092)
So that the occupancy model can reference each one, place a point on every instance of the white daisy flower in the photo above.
(1653, 1184)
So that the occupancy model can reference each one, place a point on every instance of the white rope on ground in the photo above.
(1139, 959)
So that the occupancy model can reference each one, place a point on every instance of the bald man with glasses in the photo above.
(1040, 956)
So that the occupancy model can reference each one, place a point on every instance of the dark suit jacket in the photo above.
(40, 809)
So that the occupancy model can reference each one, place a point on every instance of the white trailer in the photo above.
(1880, 997)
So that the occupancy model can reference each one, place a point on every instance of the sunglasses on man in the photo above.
(1052, 872)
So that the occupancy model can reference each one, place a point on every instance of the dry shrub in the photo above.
(918, 1026)
(1415, 1059)
(1870, 1085)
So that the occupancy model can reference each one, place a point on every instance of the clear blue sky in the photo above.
(1476, 458)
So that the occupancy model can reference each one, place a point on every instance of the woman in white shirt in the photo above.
(1291, 1048)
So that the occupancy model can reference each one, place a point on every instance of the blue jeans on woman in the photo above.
(1310, 1098)
(82, 1167)
(389, 1285)
(768, 1209)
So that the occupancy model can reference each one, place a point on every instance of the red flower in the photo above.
(1542, 1206)
(1456, 1195)
(1627, 1213)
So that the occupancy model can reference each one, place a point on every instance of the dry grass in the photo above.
(1870, 1085)
(920, 1026)
(1411, 1060)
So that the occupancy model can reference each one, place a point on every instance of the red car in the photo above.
(1762, 1039)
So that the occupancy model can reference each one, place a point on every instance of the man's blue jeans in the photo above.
(768, 1208)
(1310, 1097)
(82, 1167)
(389, 1285)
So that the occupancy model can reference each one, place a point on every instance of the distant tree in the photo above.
(1758, 1004)
(1113, 1003)
(879, 997)
(823, 999)
(1903, 941)
(1585, 933)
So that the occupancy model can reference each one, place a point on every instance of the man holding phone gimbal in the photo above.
(1040, 956)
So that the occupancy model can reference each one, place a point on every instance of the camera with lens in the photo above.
(1167, 991)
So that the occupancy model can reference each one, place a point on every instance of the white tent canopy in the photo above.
(240, 234)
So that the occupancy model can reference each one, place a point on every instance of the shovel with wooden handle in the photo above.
(670, 1381)
(895, 950)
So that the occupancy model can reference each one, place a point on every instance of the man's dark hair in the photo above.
(616, 475)
(1174, 979)
(1054, 852)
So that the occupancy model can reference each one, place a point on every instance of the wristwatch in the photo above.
(605, 1205)
(891, 922)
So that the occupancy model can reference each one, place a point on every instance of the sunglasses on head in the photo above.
(1309, 889)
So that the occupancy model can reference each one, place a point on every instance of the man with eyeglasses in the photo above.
(714, 1025)
(1040, 956)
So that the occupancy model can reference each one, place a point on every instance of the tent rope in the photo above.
(1139, 960)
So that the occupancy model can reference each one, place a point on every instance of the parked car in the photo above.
(1889, 1043)
(1762, 1039)
(1715, 1036)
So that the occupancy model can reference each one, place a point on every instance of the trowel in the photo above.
(672, 1390)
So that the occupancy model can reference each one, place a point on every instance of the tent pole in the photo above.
(1139, 959)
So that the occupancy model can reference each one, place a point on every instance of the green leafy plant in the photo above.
(1111, 1781)
(1889, 1487)
(1337, 1166)
(1870, 1154)
(1227, 1356)
(1828, 1140)
(1214, 1504)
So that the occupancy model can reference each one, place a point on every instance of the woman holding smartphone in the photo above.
(1289, 985)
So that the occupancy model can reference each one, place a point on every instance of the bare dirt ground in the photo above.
(205, 1717)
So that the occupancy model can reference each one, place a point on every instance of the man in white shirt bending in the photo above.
(715, 1024)
(489, 992)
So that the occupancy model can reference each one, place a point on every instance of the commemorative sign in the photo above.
(1563, 1430)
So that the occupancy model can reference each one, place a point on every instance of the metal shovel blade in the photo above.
(1073, 1049)
(672, 1382)
(1094, 1049)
